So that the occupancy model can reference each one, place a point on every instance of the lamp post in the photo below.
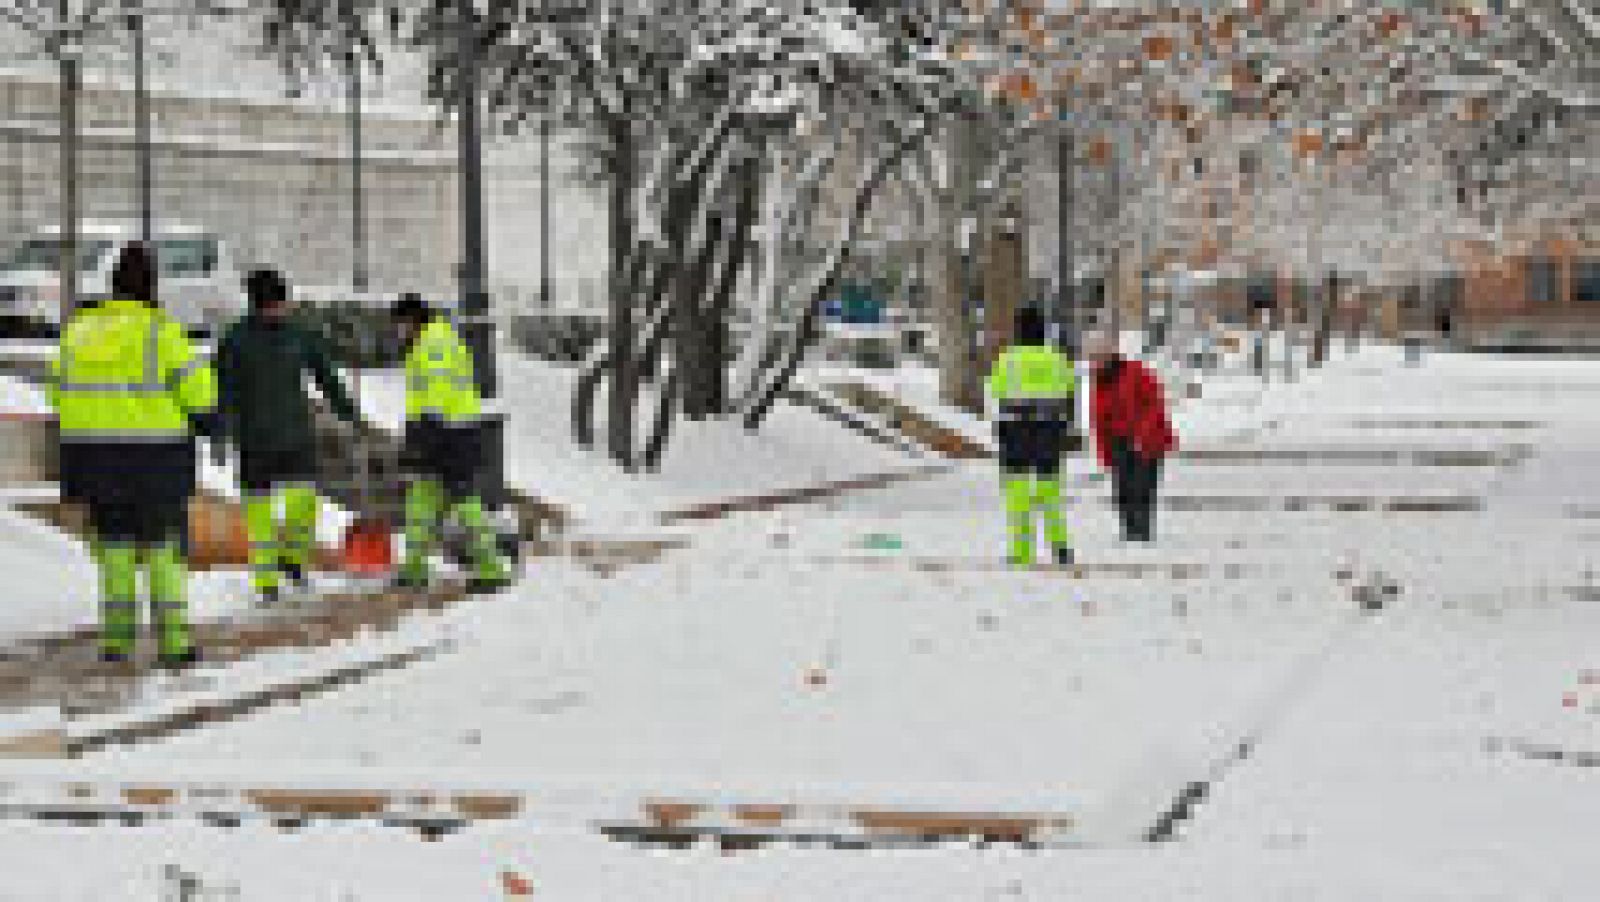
(472, 276)
(544, 211)
(68, 48)
(141, 130)
(477, 327)
(1066, 265)
(359, 271)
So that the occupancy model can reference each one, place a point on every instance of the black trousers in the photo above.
(451, 454)
(260, 469)
(1134, 483)
(134, 491)
(1031, 446)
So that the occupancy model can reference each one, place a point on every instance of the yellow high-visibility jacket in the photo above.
(439, 377)
(126, 372)
(1032, 382)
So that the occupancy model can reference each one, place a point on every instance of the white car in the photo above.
(199, 283)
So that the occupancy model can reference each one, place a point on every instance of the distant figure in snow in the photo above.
(1132, 434)
(1032, 385)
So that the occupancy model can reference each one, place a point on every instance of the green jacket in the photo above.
(261, 380)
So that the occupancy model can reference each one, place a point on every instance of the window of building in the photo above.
(1543, 280)
(1261, 293)
(1586, 280)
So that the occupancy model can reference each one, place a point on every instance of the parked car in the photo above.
(200, 284)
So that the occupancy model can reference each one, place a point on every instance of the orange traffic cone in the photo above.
(368, 548)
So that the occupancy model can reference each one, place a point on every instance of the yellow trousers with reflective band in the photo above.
(1026, 496)
(165, 575)
(426, 507)
(282, 526)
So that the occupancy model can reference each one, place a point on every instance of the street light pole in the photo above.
(359, 273)
(141, 131)
(474, 301)
(477, 327)
(1066, 265)
(67, 50)
(544, 211)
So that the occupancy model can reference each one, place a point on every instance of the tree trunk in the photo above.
(957, 382)
(655, 447)
(1325, 312)
(808, 329)
(624, 371)
(690, 336)
(738, 256)
(1004, 269)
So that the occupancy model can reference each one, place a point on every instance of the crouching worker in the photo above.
(262, 367)
(443, 448)
(129, 393)
(1032, 387)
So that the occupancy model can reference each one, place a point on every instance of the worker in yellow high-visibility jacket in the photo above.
(1033, 385)
(444, 448)
(129, 391)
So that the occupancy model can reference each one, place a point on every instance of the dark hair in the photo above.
(411, 308)
(265, 288)
(1028, 327)
(134, 278)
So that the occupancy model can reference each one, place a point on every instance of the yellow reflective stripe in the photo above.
(124, 435)
(126, 388)
(152, 352)
(176, 377)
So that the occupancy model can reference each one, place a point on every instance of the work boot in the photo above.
(269, 595)
(490, 571)
(1064, 557)
(488, 585)
(182, 660)
(296, 574)
(411, 579)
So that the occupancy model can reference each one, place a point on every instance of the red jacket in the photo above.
(1130, 406)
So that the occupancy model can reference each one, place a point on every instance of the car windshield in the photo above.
(44, 255)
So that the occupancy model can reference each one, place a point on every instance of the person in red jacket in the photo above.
(1132, 434)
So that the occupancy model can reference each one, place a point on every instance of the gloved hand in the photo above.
(207, 423)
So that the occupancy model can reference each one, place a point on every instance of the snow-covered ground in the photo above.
(705, 461)
(788, 657)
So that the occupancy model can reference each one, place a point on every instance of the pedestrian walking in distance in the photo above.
(443, 447)
(263, 365)
(1032, 386)
(1133, 434)
(130, 392)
